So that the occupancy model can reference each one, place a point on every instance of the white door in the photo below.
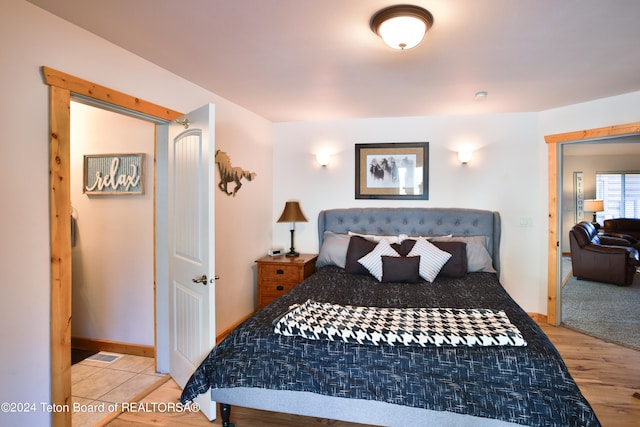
(191, 246)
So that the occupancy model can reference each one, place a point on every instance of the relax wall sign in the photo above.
(115, 174)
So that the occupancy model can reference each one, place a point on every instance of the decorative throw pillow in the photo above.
(373, 260)
(431, 258)
(401, 269)
(358, 247)
(376, 237)
(405, 247)
(333, 250)
(457, 264)
(478, 257)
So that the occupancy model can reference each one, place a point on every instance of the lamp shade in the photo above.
(292, 213)
(593, 205)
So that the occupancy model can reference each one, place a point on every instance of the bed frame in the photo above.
(380, 221)
(415, 222)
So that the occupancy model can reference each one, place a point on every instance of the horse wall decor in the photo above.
(229, 173)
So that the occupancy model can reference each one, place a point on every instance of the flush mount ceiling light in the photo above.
(402, 26)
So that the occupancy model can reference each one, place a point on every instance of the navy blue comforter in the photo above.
(526, 385)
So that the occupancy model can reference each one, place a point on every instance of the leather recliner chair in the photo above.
(601, 258)
(625, 228)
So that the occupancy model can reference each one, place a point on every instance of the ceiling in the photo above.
(291, 60)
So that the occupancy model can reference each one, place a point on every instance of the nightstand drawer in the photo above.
(280, 272)
(273, 290)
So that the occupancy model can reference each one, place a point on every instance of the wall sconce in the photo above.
(464, 155)
(323, 159)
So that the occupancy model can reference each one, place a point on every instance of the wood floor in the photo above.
(607, 374)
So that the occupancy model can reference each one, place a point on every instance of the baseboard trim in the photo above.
(539, 318)
(113, 346)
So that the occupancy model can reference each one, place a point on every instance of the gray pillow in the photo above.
(333, 250)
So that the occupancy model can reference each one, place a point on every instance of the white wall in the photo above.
(29, 39)
(243, 221)
(113, 296)
(506, 174)
(604, 112)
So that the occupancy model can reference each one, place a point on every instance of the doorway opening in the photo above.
(112, 260)
(62, 87)
(554, 142)
(112, 233)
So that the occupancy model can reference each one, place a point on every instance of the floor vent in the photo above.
(104, 357)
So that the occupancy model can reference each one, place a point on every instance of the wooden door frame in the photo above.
(552, 142)
(61, 88)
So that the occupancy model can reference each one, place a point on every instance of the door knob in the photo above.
(202, 279)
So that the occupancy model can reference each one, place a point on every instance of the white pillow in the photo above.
(432, 258)
(376, 238)
(373, 260)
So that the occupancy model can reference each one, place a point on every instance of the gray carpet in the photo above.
(602, 310)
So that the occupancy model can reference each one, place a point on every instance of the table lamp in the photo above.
(292, 213)
(595, 206)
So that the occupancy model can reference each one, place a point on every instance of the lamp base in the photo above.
(292, 252)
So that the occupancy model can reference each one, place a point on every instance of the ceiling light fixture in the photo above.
(402, 26)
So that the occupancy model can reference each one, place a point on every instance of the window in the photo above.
(620, 193)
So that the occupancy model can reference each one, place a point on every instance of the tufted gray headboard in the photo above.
(415, 222)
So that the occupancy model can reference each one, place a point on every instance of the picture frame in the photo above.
(113, 174)
(396, 170)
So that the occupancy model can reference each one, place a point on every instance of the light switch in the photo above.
(526, 221)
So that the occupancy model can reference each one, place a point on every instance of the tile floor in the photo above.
(97, 387)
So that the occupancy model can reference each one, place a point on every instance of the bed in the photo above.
(275, 361)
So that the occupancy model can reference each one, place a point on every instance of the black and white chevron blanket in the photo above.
(399, 326)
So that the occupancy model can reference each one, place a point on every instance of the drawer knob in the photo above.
(280, 288)
(279, 271)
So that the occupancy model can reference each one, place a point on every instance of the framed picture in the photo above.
(398, 170)
(113, 174)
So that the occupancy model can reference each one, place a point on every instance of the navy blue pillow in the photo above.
(401, 269)
(358, 247)
(457, 264)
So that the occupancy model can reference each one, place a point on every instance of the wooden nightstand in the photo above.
(279, 274)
